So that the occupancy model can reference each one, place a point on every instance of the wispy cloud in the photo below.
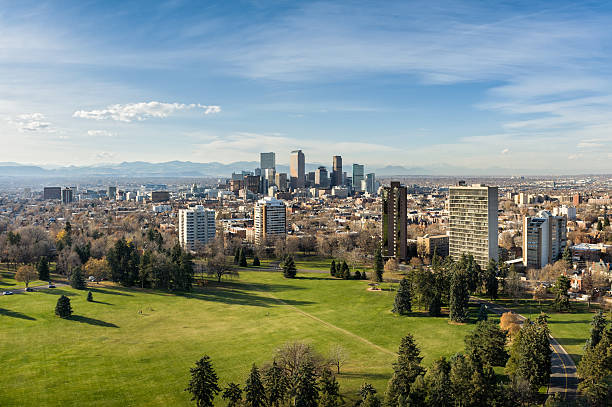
(100, 133)
(142, 111)
(31, 122)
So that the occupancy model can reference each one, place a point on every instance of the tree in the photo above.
(599, 225)
(26, 274)
(338, 356)
(76, 279)
(254, 392)
(243, 261)
(405, 371)
(256, 262)
(203, 385)
(365, 390)
(472, 384)
(89, 296)
(289, 269)
(459, 297)
(276, 385)
(379, 267)
(330, 390)
(391, 266)
(561, 302)
(307, 389)
(293, 355)
(514, 287)
(332, 268)
(487, 344)
(491, 283)
(123, 260)
(483, 314)
(438, 385)
(43, 269)
(233, 394)
(598, 325)
(402, 303)
(345, 273)
(218, 266)
(510, 322)
(237, 255)
(594, 369)
(567, 257)
(371, 400)
(63, 308)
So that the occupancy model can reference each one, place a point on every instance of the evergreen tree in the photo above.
(405, 371)
(243, 261)
(307, 390)
(372, 400)
(124, 261)
(491, 283)
(598, 325)
(483, 315)
(379, 266)
(594, 369)
(289, 269)
(357, 275)
(438, 385)
(487, 344)
(567, 257)
(599, 225)
(233, 394)
(254, 392)
(606, 221)
(256, 262)
(237, 256)
(472, 384)
(330, 390)
(203, 385)
(561, 302)
(43, 269)
(63, 308)
(459, 297)
(365, 390)
(76, 279)
(332, 268)
(402, 303)
(435, 306)
(89, 296)
(346, 273)
(276, 385)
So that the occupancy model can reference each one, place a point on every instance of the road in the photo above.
(34, 287)
(563, 376)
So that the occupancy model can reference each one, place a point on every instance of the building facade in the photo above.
(269, 219)
(394, 221)
(267, 161)
(196, 227)
(358, 171)
(297, 169)
(370, 183)
(52, 193)
(473, 222)
(321, 178)
(281, 181)
(544, 239)
(336, 178)
(67, 196)
(428, 245)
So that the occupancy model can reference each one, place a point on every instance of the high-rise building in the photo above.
(473, 222)
(321, 178)
(429, 245)
(112, 192)
(370, 183)
(394, 221)
(160, 196)
(281, 181)
(297, 169)
(52, 193)
(336, 178)
(358, 171)
(267, 160)
(196, 227)
(269, 219)
(67, 195)
(544, 239)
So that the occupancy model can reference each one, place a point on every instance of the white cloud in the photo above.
(590, 144)
(100, 133)
(31, 122)
(105, 155)
(142, 111)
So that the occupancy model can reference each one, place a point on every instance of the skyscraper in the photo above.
(196, 227)
(473, 222)
(321, 178)
(544, 239)
(281, 181)
(67, 195)
(52, 193)
(297, 169)
(336, 178)
(394, 222)
(370, 183)
(112, 192)
(269, 219)
(358, 171)
(267, 160)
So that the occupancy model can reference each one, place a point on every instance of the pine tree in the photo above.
(43, 269)
(357, 275)
(289, 270)
(254, 392)
(330, 390)
(459, 297)
(76, 279)
(594, 369)
(365, 390)
(599, 225)
(242, 260)
(379, 266)
(405, 371)
(332, 268)
(402, 303)
(372, 400)
(276, 385)
(233, 394)
(63, 308)
(487, 344)
(561, 302)
(606, 221)
(307, 390)
(567, 257)
(598, 325)
(346, 273)
(89, 296)
(483, 315)
(491, 282)
(438, 385)
(237, 256)
(256, 262)
(203, 385)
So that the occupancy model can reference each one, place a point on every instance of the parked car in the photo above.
(29, 289)
(7, 293)
(51, 285)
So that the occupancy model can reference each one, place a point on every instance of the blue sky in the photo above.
(518, 85)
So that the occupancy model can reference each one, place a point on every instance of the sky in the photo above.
(522, 85)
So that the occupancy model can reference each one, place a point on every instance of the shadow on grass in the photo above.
(15, 314)
(92, 321)
(57, 291)
(101, 302)
(319, 278)
(111, 291)
(570, 341)
(368, 376)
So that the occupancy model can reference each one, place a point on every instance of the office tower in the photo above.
(321, 178)
(357, 176)
(160, 196)
(196, 227)
(394, 222)
(281, 181)
(269, 219)
(428, 245)
(67, 195)
(112, 191)
(269, 175)
(544, 239)
(473, 222)
(297, 169)
(370, 183)
(577, 199)
(251, 183)
(52, 193)
(267, 160)
(336, 178)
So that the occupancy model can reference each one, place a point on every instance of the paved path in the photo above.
(563, 376)
(33, 287)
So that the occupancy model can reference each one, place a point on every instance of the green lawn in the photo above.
(135, 347)
(8, 282)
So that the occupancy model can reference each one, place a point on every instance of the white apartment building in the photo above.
(544, 239)
(196, 227)
(269, 219)
(473, 222)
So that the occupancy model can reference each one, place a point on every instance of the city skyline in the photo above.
(522, 86)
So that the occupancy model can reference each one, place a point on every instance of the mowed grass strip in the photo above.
(135, 347)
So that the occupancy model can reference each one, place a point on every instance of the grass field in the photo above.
(8, 282)
(135, 347)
